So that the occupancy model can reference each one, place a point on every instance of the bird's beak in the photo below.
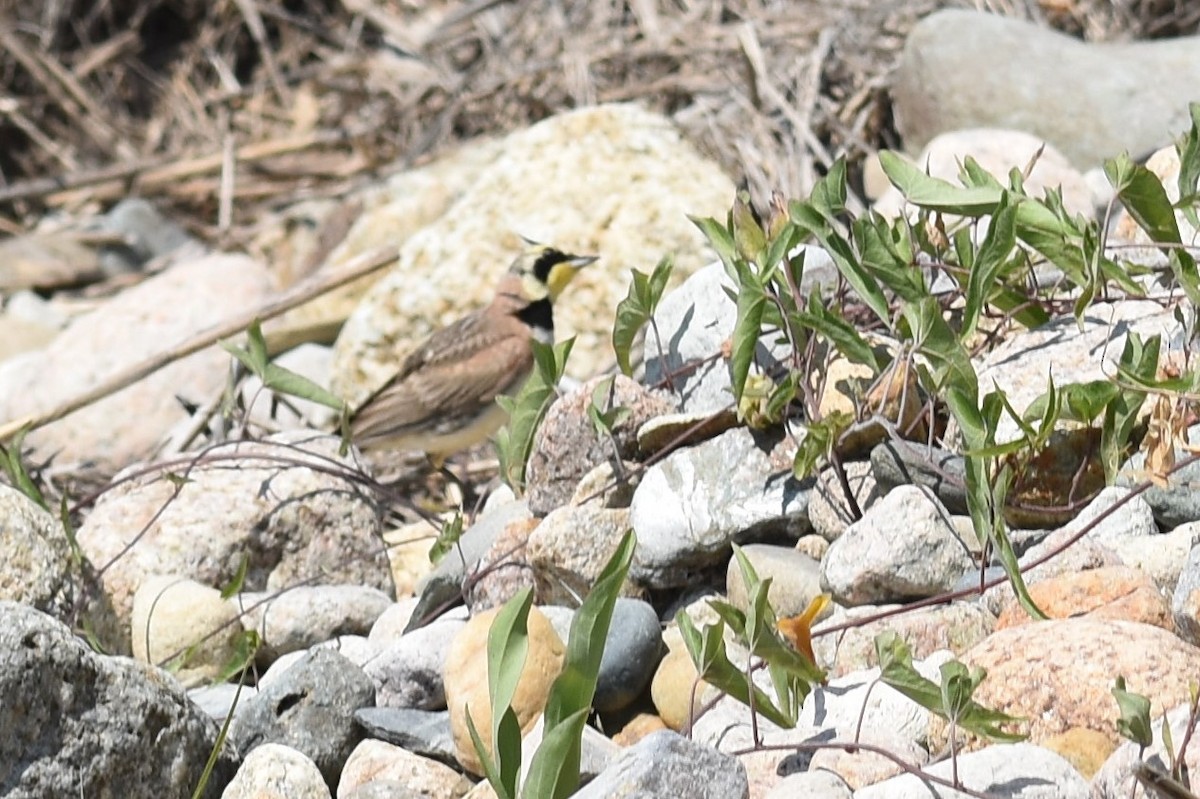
(564, 271)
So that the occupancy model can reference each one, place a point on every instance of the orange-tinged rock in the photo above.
(1058, 674)
(1110, 592)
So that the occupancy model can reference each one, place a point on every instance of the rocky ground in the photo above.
(201, 509)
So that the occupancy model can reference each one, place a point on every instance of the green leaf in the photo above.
(491, 769)
(637, 309)
(751, 301)
(239, 579)
(841, 333)
(507, 648)
(935, 194)
(719, 238)
(254, 355)
(514, 443)
(13, 466)
(1188, 184)
(285, 381)
(748, 235)
(245, 650)
(554, 768)
(1134, 722)
(994, 255)
(447, 539)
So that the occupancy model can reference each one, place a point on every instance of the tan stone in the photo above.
(1110, 592)
(466, 681)
(638, 728)
(1084, 749)
(377, 761)
(185, 626)
(674, 689)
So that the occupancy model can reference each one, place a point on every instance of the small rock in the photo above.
(861, 768)
(597, 751)
(408, 672)
(504, 569)
(1178, 503)
(904, 463)
(306, 615)
(665, 764)
(181, 622)
(693, 504)
(311, 709)
(567, 446)
(422, 732)
(408, 552)
(638, 728)
(466, 680)
(145, 233)
(632, 651)
(1161, 557)
(274, 771)
(1109, 592)
(677, 430)
(1096, 99)
(38, 569)
(813, 545)
(1042, 774)
(218, 701)
(811, 784)
(674, 690)
(1084, 749)
(571, 546)
(391, 623)
(903, 547)
(354, 648)
(1133, 519)
(1185, 601)
(443, 588)
(1084, 554)
(795, 578)
(828, 510)
(373, 761)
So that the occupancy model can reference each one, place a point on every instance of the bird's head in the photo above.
(545, 271)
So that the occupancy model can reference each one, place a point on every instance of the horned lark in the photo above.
(443, 399)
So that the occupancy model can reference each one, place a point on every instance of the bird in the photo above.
(443, 398)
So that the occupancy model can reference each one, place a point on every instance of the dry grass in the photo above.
(225, 109)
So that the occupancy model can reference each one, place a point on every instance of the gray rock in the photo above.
(307, 615)
(694, 503)
(423, 732)
(597, 751)
(631, 654)
(1133, 519)
(273, 770)
(903, 547)
(828, 510)
(408, 672)
(812, 785)
(78, 723)
(276, 502)
(311, 709)
(1185, 600)
(1160, 556)
(964, 69)
(696, 319)
(795, 578)
(665, 764)
(442, 589)
(1179, 502)
(146, 234)
(905, 463)
(218, 701)
(567, 446)
(355, 648)
(1002, 770)
(37, 568)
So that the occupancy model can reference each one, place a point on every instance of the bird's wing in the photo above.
(458, 369)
